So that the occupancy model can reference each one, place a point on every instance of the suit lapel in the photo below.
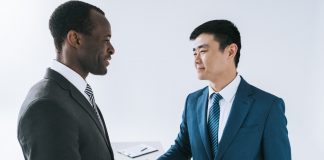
(78, 97)
(240, 109)
(106, 133)
(84, 103)
(202, 120)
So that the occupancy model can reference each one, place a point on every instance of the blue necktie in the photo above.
(213, 122)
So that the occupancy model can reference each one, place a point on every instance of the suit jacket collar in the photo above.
(72, 76)
(240, 108)
(78, 97)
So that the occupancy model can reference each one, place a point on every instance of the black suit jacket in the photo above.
(56, 122)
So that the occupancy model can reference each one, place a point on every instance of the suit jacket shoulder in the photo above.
(45, 89)
(264, 95)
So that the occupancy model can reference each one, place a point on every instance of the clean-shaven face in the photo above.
(97, 49)
(210, 62)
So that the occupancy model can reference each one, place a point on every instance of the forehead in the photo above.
(204, 40)
(100, 22)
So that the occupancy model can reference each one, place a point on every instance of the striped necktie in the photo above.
(213, 123)
(89, 92)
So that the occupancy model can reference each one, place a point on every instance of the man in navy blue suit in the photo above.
(229, 119)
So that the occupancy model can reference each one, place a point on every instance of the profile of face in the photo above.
(95, 49)
(210, 61)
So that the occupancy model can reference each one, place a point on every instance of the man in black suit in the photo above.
(59, 119)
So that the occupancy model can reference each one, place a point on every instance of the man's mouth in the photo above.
(106, 60)
(200, 67)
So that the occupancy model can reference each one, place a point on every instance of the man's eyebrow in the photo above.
(201, 46)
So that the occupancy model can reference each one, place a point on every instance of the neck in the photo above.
(75, 68)
(220, 83)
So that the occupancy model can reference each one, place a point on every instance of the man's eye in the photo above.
(203, 52)
(107, 39)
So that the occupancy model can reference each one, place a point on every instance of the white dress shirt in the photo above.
(228, 94)
(72, 76)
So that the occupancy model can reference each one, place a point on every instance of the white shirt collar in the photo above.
(70, 75)
(229, 91)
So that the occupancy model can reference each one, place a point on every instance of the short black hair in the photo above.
(71, 15)
(224, 31)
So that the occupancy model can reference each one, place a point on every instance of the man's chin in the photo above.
(201, 77)
(100, 72)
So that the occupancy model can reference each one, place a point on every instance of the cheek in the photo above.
(102, 49)
(213, 63)
(98, 51)
(203, 59)
(207, 60)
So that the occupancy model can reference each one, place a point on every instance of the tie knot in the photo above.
(216, 97)
(88, 91)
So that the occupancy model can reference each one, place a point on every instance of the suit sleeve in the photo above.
(275, 140)
(47, 131)
(181, 148)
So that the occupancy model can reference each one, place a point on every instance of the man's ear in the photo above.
(73, 38)
(232, 50)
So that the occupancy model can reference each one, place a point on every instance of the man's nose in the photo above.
(111, 49)
(197, 57)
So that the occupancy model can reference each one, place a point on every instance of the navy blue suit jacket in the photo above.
(255, 130)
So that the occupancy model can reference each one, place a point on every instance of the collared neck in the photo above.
(228, 92)
(72, 76)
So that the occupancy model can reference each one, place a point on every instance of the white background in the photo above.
(152, 71)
